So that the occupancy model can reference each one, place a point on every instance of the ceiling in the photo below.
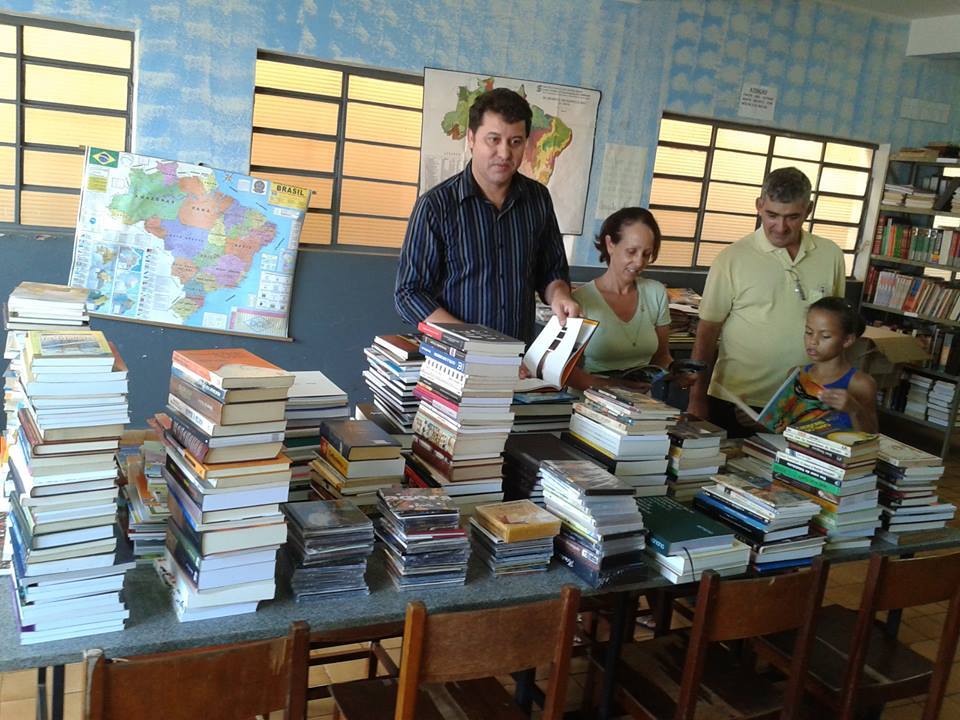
(906, 9)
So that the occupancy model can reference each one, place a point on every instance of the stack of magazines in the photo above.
(328, 543)
(424, 544)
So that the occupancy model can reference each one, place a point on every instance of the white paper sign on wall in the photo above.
(757, 102)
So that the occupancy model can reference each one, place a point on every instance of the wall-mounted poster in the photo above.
(559, 150)
(168, 242)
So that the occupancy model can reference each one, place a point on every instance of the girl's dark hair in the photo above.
(614, 225)
(850, 320)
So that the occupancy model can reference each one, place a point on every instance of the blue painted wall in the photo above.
(839, 72)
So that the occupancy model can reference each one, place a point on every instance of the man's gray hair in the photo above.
(786, 185)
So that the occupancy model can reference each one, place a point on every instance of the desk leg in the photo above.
(621, 630)
(41, 693)
(56, 700)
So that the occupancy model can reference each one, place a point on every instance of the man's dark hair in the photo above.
(850, 320)
(613, 226)
(506, 103)
(786, 185)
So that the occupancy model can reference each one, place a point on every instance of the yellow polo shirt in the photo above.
(752, 289)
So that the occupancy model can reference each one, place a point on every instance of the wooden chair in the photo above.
(448, 661)
(224, 682)
(666, 677)
(857, 663)
(343, 640)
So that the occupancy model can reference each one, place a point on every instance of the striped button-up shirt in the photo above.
(478, 263)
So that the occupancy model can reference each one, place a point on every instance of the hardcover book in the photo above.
(517, 520)
(470, 337)
(672, 527)
(359, 440)
(228, 368)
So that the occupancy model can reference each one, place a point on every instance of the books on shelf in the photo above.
(902, 241)
(914, 295)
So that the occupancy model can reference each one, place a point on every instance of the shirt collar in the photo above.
(808, 243)
(467, 187)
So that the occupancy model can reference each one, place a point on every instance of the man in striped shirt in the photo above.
(480, 244)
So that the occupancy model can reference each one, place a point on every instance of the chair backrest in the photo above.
(894, 584)
(226, 681)
(737, 609)
(474, 644)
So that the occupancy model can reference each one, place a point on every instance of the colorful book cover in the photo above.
(79, 344)
(517, 520)
(797, 401)
(319, 515)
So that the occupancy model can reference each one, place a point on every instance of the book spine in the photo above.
(218, 394)
(29, 429)
(438, 435)
(433, 353)
(445, 349)
(816, 442)
(184, 552)
(781, 471)
(334, 457)
(811, 469)
(191, 440)
(200, 402)
(437, 334)
(442, 404)
(431, 455)
(825, 500)
(179, 359)
(201, 422)
(600, 418)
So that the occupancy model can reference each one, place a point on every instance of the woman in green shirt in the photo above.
(633, 311)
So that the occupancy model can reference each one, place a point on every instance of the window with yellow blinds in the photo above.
(707, 175)
(351, 135)
(62, 87)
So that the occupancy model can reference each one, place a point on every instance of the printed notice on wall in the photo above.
(757, 101)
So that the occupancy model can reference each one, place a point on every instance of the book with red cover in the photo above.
(228, 368)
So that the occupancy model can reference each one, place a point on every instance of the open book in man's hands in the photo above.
(556, 351)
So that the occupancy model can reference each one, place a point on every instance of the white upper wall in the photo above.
(935, 36)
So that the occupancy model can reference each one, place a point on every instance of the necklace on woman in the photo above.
(632, 338)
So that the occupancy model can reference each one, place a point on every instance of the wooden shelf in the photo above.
(915, 263)
(922, 318)
(933, 373)
(913, 419)
(895, 158)
(917, 211)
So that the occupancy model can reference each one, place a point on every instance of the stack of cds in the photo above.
(313, 398)
(394, 368)
(601, 537)
(626, 432)
(522, 456)
(329, 542)
(514, 537)
(424, 544)
(694, 457)
(908, 479)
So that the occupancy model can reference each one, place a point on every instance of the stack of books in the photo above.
(313, 398)
(601, 538)
(68, 556)
(759, 455)
(684, 304)
(522, 456)
(774, 521)
(895, 194)
(468, 483)
(542, 410)
(393, 370)
(356, 459)
(465, 390)
(939, 401)
(514, 537)
(35, 306)
(329, 542)
(908, 479)
(694, 457)
(424, 545)
(145, 493)
(684, 542)
(835, 469)
(626, 432)
(913, 295)
(225, 522)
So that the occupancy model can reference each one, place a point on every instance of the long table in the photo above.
(153, 626)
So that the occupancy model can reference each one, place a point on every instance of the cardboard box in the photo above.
(879, 352)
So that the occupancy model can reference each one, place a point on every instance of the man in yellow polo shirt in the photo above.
(755, 302)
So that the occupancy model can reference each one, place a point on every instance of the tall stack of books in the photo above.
(626, 432)
(67, 562)
(513, 537)
(327, 550)
(522, 456)
(939, 401)
(542, 410)
(835, 469)
(465, 390)
(423, 542)
(145, 494)
(41, 307)
(684, 542)
(356, 459)
(468, 483)
(313, 398)
(393, 370)
(601, 538)
(694, 457)
(774, 521)
(225, 522)
(908, 478)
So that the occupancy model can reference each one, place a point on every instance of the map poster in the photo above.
(168, 242)
(559, 150)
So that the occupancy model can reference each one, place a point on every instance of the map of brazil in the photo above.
(170, 242)
(559, 149)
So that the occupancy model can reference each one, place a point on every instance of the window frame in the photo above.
(22, 104)
(706, 181)
(340, 139)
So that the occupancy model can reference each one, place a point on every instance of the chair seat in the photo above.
(484, 699)
(650, 673)
(892, 669)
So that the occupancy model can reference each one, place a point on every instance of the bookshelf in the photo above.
(913, 282)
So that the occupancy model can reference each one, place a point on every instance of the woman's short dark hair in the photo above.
(850, 320)
(614, 225)
(506, 103)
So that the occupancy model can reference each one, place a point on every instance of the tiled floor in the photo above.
(920, 627)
